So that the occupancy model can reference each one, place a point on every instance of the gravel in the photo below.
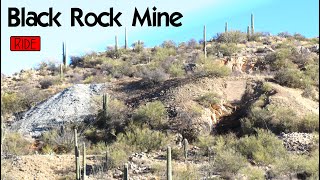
(73, 104)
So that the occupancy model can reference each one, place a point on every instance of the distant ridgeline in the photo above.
(21, 17)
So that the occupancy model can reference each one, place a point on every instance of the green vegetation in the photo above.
(154, 114)
(209, 99)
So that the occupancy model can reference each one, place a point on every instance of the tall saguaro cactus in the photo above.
(226, 27)
(204, 42)
(169, 165)
(84, 163)
(105, 104)
(107, 160)
(252, 24)
(248, 33)
(125, 39)
(77, 153)
(61, 71)
(185, 148)
(125, 172)
(116, 43)
(64, 54)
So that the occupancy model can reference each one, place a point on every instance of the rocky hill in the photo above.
(249, 109)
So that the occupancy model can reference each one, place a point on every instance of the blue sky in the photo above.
(270, 16)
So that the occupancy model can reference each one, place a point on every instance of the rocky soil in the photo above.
(298, 142)
(71, 105)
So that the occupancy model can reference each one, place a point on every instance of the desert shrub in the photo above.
(48, 65)
(278, 119)
(208, 99)
(11, 102)
(46, 83)
(299, 37)
(229, 162)
(59, 140)
(138, 46)
(280, 59)
(176, 70)
(253, 173)
(153, 113)
(227, 49)
(142, 138)
(177, 153)
(314, 40)
(205, 143)
(192, 44)
(185, 172)
(115, 54)
(168, 44)
(88, 80)
(310, 123)
(256, 36)
(152, 75)
(185, 122)
(231, 37)
(161, 54)
(76, 61)
(312, 73)
(264, 148)
(210, 68)
(117, 68)
(284, 34)
(97, 148)
(118, 154)
(305, 166)
(309, 92)
(112, 121)
(15, 144)
(292, 78)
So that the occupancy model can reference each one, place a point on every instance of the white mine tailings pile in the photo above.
(73, 104)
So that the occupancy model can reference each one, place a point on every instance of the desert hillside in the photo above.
(237, 106)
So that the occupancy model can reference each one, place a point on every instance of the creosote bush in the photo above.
(58, 140)
(143, 138)
(278, 119)
(231, 37)
(305, 166)
(292, 78)
(227, 49)
(153, 113)
(264, 148)
(15, 144)
(211, 68)
(209, 99)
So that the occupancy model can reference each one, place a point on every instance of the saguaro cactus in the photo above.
(84, 164)
(125, 39)
(77, 153)
(61, 71)
(64, 54)
(226, 27)
(169, 166)
(125, 172)
(116, 43)
(252, 24)
(248, 33)
(107, 161)
(105, 104)
(185, 148)
(204, 42)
